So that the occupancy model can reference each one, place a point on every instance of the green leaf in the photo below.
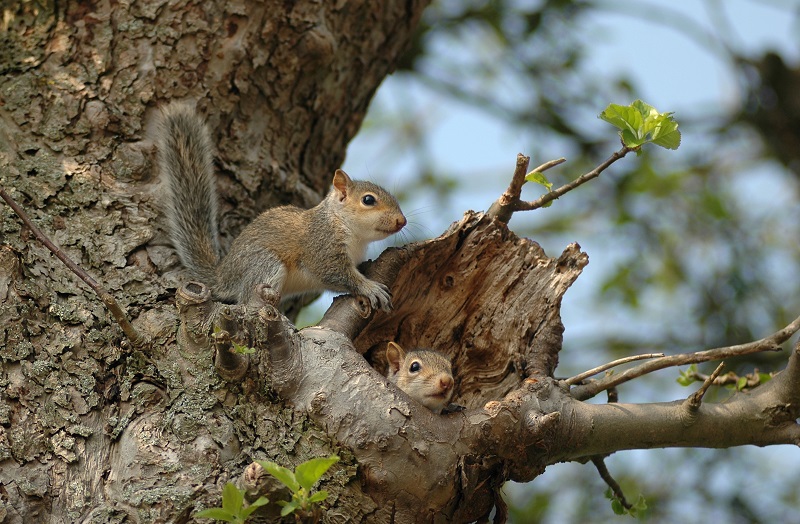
(252, 507)
(309, 472)
(216, 514)
(667, 135)
(285, 476)
(640, 123)
(319, 496)
(624, 118)
(686, 377)
(232, 498)
(288, 507)
(539, 178)
(764, 377)
(617, 506)
(741, 383)
(242, 349)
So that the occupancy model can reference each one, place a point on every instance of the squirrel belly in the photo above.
(294, 251)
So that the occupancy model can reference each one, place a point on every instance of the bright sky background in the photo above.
(482, 150)
(673, 73)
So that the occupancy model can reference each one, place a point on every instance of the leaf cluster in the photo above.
(640, 123)
(300, 481)
(233, 508)
(729, 380)
(635, 510)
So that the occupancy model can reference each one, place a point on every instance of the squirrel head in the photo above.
(423, 374)
(368, 208)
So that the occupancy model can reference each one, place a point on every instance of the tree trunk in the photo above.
(96, 427)
(93, 429)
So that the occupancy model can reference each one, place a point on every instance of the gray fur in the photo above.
(186, 163)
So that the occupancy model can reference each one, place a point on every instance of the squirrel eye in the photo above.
(414, 367)
(369, 200)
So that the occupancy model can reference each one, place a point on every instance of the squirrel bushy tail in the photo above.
(186, 162)
(294, 251)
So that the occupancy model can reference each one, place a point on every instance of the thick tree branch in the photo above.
(770, 343)
(386, 431)
(348, 314)
(106, 298)
(740, 421)
(583, 430)
(786, 385)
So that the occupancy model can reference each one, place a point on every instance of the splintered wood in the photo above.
(485, 297)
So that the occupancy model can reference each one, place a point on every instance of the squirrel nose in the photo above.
(401, 222)
(445, 383)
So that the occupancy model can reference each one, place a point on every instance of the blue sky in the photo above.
(673, 73)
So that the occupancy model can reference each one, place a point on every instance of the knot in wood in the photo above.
(780, 414)
(192, 293)
(318, 44)
(448, 281)
(318, 402)
(538, 423)
(364, 307)
(493, 407)
(268, 313)
(266, 295)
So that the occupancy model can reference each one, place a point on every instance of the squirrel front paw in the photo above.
(378, 295)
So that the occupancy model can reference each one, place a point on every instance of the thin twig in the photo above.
(566, 188)
(549, 164)
(696, 398)
(599, 369)
(753, 379)
(503, 207)
(116, 310)
(770, 343)
(598, 462)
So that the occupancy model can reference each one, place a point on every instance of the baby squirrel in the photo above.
(293, 250)
(423, 374)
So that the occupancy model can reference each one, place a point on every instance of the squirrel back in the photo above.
(423, 374)
(292, 250)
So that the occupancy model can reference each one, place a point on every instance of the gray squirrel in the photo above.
(293, 250)
(423, 374)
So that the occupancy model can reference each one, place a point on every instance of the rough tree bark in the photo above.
(95, 429)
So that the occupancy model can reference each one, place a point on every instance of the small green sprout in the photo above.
(300, 482)
(232, 509)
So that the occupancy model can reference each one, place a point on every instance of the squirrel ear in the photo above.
(395, 356)
(341, 181)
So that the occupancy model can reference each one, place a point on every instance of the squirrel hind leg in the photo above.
(262, 267)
